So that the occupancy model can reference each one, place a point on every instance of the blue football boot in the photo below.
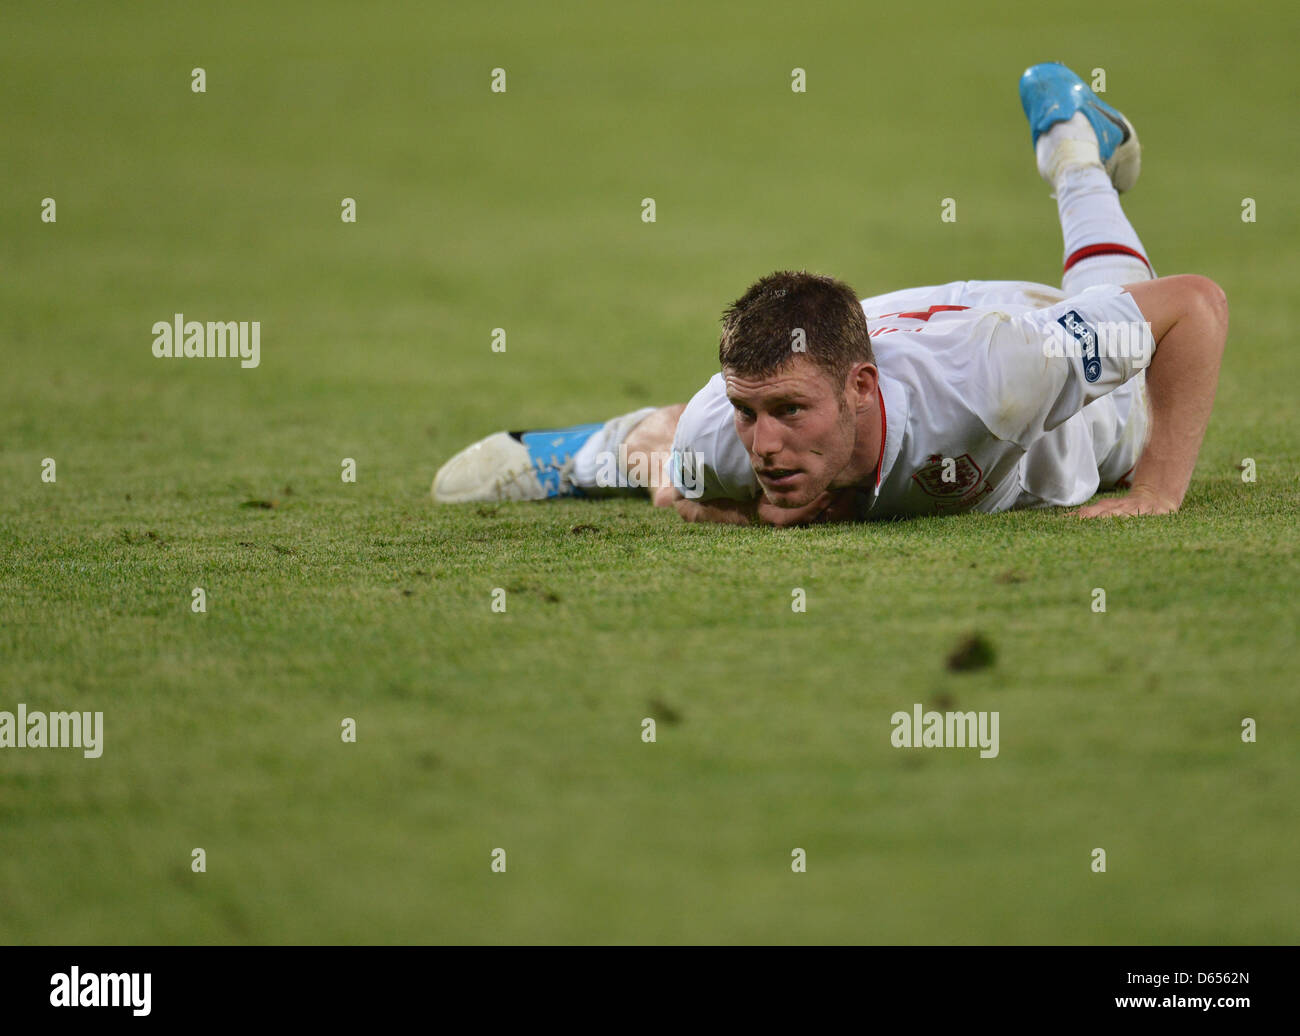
(1051, 93)
(514, 466)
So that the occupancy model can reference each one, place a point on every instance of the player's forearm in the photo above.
(726, 512)
(1181, 383)
(828, 507)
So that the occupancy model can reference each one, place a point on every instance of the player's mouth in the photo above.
(778, 478)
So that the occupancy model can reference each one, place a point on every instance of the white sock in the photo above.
(594, 457)
(1072, 142)
(1091, 215)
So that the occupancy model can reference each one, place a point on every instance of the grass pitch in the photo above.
(522, 730)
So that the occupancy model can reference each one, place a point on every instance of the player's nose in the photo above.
(767, 437)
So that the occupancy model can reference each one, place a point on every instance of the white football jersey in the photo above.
(996, 394)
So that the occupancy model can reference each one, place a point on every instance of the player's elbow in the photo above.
(1209, 302)
(666, 496)
(1186, 300)
(1219, 304)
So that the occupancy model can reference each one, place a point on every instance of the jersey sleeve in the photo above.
(1040, 367)
(709, 461)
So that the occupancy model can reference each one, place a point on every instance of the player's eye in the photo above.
(791, 408)
(744, 411)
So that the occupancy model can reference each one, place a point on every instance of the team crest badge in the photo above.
(948, 478)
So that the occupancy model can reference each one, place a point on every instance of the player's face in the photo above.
(799, 431)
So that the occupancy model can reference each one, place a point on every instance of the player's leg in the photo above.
(616, 457)
(1088, 152)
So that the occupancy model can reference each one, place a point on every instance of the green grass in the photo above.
(522, 730)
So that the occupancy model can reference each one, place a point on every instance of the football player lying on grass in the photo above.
(970, 396)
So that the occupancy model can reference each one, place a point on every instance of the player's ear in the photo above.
(863, 378)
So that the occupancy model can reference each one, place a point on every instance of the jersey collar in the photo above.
(884, 433)
(893, 422)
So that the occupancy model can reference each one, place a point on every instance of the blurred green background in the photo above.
(522, 731)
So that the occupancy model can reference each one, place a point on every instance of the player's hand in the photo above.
(837, 506)
(723, 512)
(831, 506)
(1137, 501)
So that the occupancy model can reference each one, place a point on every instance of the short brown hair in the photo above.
(758, 329)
